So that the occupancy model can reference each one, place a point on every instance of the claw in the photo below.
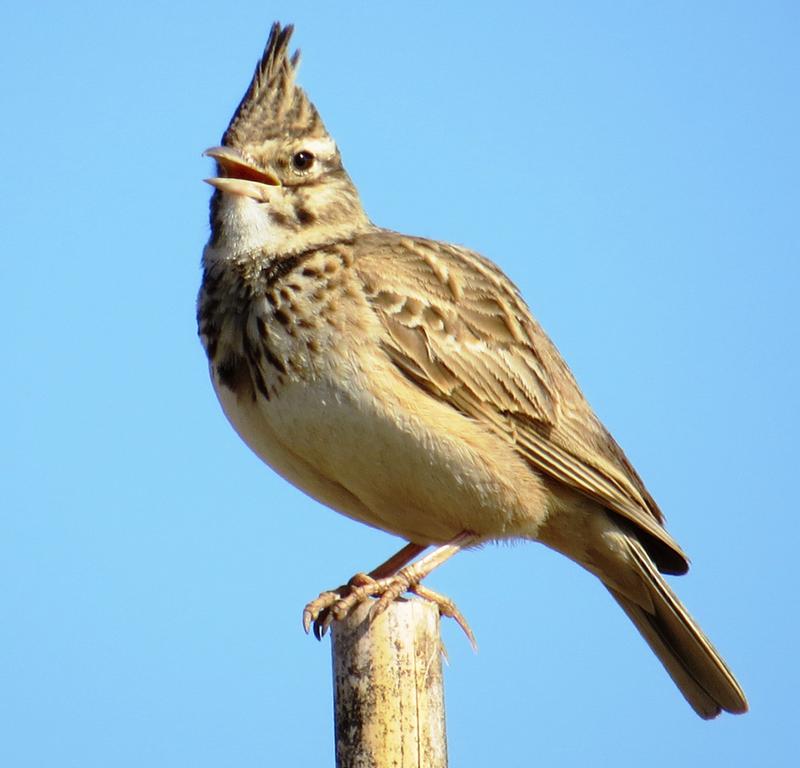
(447, 608)
(337, 604)
(388, 582)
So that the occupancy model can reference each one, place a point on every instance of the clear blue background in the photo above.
(633, 168)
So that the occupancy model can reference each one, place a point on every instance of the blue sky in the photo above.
(633, 168)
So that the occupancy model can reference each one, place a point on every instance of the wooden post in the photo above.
(387, 688)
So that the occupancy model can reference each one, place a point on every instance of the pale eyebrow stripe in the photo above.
(321, 146)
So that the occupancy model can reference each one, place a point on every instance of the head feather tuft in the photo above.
(273, 105)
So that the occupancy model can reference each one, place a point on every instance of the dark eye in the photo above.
(303, 160)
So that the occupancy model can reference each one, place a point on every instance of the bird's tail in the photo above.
(686, 653)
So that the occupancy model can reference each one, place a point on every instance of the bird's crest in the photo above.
(273, 105)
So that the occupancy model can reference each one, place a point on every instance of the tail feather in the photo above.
(687, 654)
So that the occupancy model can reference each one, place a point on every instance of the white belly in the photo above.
(389, 456)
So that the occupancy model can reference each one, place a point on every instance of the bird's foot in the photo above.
(336, 604)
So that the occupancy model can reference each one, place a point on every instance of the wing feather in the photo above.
(460, 330)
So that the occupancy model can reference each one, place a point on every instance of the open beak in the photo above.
(240, 175)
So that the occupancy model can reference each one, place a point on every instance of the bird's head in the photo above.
(280, 185)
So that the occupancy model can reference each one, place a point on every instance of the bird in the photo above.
(404, 383)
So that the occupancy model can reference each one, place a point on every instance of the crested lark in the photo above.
(404, 383)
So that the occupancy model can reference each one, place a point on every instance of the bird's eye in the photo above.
(302, 160)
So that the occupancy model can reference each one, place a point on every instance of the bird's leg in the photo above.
(408, 579)
(319, 612)
(388, 582)
(397, 561)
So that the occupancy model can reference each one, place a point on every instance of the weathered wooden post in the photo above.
(387, 688)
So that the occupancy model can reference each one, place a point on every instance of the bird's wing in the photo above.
(459, 329)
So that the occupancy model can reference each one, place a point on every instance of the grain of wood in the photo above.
(388, 688)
